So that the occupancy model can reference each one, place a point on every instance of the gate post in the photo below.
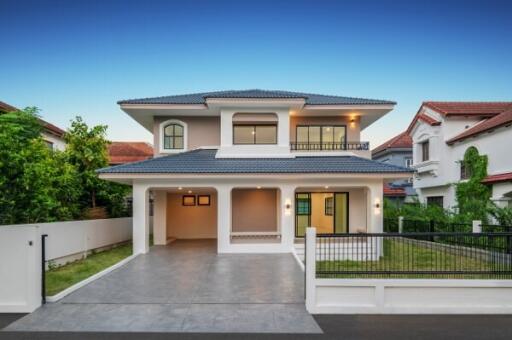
(43, 268)
(310, 269)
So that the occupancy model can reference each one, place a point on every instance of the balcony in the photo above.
(330, 146)
(360, 149)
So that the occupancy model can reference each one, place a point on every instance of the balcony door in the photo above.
(321, 137)
(326, 211)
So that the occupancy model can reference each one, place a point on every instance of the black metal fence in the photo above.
(329, 146)
(418, 226)
(415, 255)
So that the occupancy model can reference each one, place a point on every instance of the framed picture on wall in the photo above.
(189, 200)
(203, 200)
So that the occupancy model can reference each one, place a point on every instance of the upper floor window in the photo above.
(255, 134)
(174, 135)
(425, 150)
(465, 171)
(326, 136)
(408, 162)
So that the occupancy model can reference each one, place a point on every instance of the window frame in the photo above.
(435, 200)
(321, 126)
(425, 146)
(162, 136)
(408, 162)
(254, 126)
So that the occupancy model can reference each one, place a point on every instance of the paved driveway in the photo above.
(186, 287)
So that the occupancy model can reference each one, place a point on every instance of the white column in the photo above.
(223, 218)
(477, 226)
(283, 126)
(287, 215)
(376, 212)
(160, 218)
(140, 219)
(310, 256)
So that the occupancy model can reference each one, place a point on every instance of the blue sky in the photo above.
(78, 58)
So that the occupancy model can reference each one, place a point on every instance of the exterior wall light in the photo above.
(352, 122)
(377, 206)
(287, 207)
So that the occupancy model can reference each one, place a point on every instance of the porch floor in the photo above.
(185, 287)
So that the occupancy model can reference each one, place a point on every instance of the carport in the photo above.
(186, 287)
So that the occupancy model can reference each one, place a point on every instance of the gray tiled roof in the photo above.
(200, 98)
(203, 161)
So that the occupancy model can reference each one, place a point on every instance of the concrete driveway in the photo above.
(185, 287)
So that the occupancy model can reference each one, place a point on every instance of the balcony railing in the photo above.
(330, 146)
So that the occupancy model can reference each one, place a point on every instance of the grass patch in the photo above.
(63, 277)
(401, 255)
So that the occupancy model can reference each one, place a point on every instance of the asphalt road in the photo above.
(393, 327)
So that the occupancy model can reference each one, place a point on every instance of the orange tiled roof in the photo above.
(480, 109)
(127, 152)
(389, 191)
(504, 177)
(468, 108)
(502, 119)
(401, 141)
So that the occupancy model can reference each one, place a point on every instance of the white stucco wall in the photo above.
(58, 143)
(20, 254)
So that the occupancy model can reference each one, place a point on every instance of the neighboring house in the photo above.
(126, 152)
(442, 132)
(52, 135)
(254, 168)
(397, 151)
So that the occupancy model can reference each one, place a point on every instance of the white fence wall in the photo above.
(401, 296)
(20, 254)
(68, 240)
(20, 268)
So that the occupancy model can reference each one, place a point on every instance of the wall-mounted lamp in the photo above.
(287, 207)
(377, 206)
(352, 122)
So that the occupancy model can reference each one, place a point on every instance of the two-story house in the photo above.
(397, 151)
(252, 169)
(52, 135)
(442, 132)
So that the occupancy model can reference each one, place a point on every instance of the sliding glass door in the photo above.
(326, 211)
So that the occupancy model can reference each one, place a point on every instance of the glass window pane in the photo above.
(169, 130)
(266, 134)
(341, 213)
(327, 134)
(302, 134)
(166, 143)
(178, 142)
(314, 134)
(243, 134)
(302, 224)
(339, 134)
(178, 130)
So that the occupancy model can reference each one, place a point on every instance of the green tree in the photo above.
(87, 151)
(36, 185)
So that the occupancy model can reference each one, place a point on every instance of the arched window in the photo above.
(174, 136)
